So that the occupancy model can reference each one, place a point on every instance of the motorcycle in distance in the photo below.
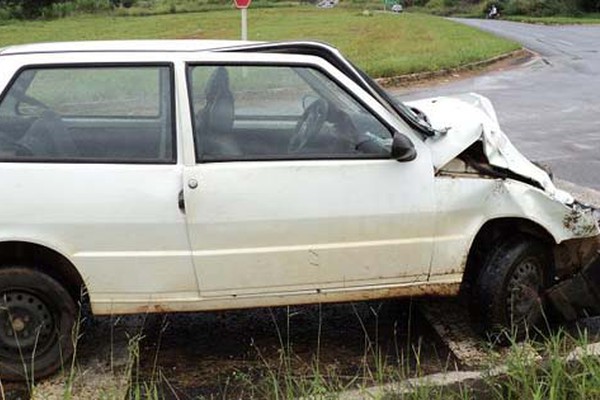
(493, 13)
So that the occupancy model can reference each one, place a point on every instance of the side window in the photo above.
(279, 112)
(89, 114)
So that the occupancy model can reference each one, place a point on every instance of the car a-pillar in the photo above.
(41, 295)
(509, 267)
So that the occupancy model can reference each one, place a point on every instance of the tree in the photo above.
(27, 8)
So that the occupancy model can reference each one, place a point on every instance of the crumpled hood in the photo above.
(471, 117)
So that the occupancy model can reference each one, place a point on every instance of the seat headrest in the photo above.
(218, 83)
(218, 114)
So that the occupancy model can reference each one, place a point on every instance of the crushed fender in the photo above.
(578, 296)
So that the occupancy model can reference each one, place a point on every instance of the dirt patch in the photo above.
(240, 354)
(235, 354)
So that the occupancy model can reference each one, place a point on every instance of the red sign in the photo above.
(242, 3)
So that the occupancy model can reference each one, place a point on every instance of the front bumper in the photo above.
(578, 296)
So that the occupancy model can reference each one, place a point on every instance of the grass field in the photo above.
(585, 19)
(382, 44)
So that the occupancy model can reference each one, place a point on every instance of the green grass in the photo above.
(382, 44)
(558, 20)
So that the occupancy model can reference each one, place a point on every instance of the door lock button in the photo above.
(192, 184)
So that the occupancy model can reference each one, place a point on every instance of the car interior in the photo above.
(33, 130)
(224, 129)
(124, 114)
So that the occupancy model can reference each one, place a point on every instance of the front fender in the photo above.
(465, 203)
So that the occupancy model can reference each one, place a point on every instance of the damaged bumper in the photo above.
(577, 262)
(578, 296)
(471, 143)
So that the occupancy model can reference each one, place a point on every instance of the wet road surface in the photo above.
(550, 107)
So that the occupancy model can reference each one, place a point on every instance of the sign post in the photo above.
(243, 5)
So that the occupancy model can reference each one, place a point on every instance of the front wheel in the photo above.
(36, 319)
(510, 286)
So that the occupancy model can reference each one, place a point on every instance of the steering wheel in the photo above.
(310, 124)
(10, 145)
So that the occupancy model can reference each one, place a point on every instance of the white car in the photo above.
(326, 4)
(166, 176)
(397, 8)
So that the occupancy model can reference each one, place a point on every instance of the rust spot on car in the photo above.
(419, 290)
(151, 309)
(435, 289)
(576, 222)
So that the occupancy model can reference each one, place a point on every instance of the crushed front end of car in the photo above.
(471, 144)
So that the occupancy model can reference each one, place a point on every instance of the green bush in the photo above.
(27, 8)
(30, 9)
(534, 8)
(589, 5)
(59, 10)
(541, 8)
(123, 3)
(5, 13)
(91, 5)
(450, 7)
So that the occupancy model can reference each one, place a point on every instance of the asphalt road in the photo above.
(550, 107)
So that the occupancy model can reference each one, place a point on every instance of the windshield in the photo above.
(333, 56)
(399, 107)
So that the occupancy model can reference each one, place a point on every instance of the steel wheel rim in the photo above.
(27, 325)
(524, 303)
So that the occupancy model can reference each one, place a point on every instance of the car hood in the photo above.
(464, 119)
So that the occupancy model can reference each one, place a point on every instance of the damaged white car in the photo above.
(167, 176)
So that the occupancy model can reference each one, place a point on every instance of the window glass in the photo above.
(103, 114)
(266, 112)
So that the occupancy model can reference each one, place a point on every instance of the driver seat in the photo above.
(214, 123)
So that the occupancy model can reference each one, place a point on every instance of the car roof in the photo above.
(305, 48)
(181, 45)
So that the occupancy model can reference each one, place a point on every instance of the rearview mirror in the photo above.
(402, 148)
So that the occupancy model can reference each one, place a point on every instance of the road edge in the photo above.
(583, 194)
(523, 55)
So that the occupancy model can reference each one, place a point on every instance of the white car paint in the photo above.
(278, 232)
(307, 225)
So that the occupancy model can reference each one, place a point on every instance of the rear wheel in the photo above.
(509, 290)
(36, 319)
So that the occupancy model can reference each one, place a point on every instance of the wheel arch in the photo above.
(489, 233)
(47, 260)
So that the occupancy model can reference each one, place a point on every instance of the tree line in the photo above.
(30, 9)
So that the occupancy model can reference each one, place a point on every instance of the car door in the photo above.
(293, 188)
(89, 169)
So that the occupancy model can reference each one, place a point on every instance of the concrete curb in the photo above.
(421, 76)
(456, 379)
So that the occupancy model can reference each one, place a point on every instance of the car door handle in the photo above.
(181, 201)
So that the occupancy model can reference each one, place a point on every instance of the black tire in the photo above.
(36, 321)
(509, 289)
